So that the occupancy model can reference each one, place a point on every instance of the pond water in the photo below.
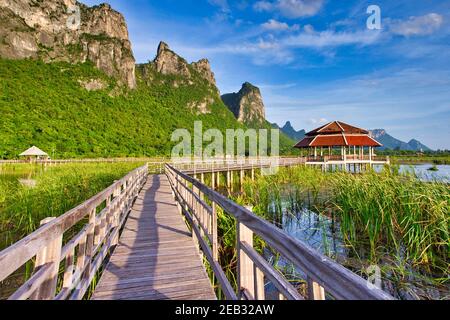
(425, 171)
(300, 219)
(322, 232)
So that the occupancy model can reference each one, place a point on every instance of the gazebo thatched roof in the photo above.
(33, 151)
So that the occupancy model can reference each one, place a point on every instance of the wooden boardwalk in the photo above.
(156, 257)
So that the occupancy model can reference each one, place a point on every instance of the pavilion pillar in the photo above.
(315, 152)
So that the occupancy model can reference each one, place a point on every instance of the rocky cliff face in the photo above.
(50, 30)
(204, 69)
(182, 73)
(168, 62)
(247, 105)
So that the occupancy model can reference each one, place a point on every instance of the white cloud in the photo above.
(290, 8)
(222, 4)
(422, 25)
(263, 6)
(328, 38)
(274, 25)
(308, 28)
(320, 121)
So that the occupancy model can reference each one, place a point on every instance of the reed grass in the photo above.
(57, 189)
(379, 214)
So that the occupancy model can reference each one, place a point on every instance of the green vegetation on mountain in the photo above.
(47, 105)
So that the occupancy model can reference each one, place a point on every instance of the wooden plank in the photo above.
(155, 257)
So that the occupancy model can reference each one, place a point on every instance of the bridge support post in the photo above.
(241, 180)
(218, 179)
(213, 180)
(50, 254)
(231, 179)
(246, 277)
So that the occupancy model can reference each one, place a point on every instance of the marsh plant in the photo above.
(390, 218)
(56, 189)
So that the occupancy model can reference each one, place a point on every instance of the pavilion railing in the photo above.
(200, 205)
(66, 270)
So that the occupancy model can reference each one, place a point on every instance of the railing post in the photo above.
(259, 284)
(50, 254)
(215, 247)
(246, 279)
(315, 291)
(90, 243)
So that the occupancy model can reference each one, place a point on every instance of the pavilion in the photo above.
(341, 144)
(34, 153)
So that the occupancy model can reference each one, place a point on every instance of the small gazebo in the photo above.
(34, 153)
(322, 142)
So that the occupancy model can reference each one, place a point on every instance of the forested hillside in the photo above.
(75, 110)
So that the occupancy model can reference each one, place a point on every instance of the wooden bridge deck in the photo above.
(156, 257)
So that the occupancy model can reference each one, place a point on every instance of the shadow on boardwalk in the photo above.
(156, 257)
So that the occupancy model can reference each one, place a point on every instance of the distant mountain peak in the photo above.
(288, 125)
(389, 142)
(289, 130)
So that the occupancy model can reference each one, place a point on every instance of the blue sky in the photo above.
(315, 60)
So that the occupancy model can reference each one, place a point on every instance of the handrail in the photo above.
(84, 253)
(322, 272)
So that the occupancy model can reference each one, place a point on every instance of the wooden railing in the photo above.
(380, 158)
(323, 274)
(99, 221)
(315, 159)
(220, 165)
(350, 157)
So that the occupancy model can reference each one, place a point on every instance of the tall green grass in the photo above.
(379, 214)
(57, 190)
(395, 212)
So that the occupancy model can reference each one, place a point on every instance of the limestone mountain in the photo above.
(389, 142)
(51, 31)
(288, 130)
(68, 90)
(247, 105)
(178, 72)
